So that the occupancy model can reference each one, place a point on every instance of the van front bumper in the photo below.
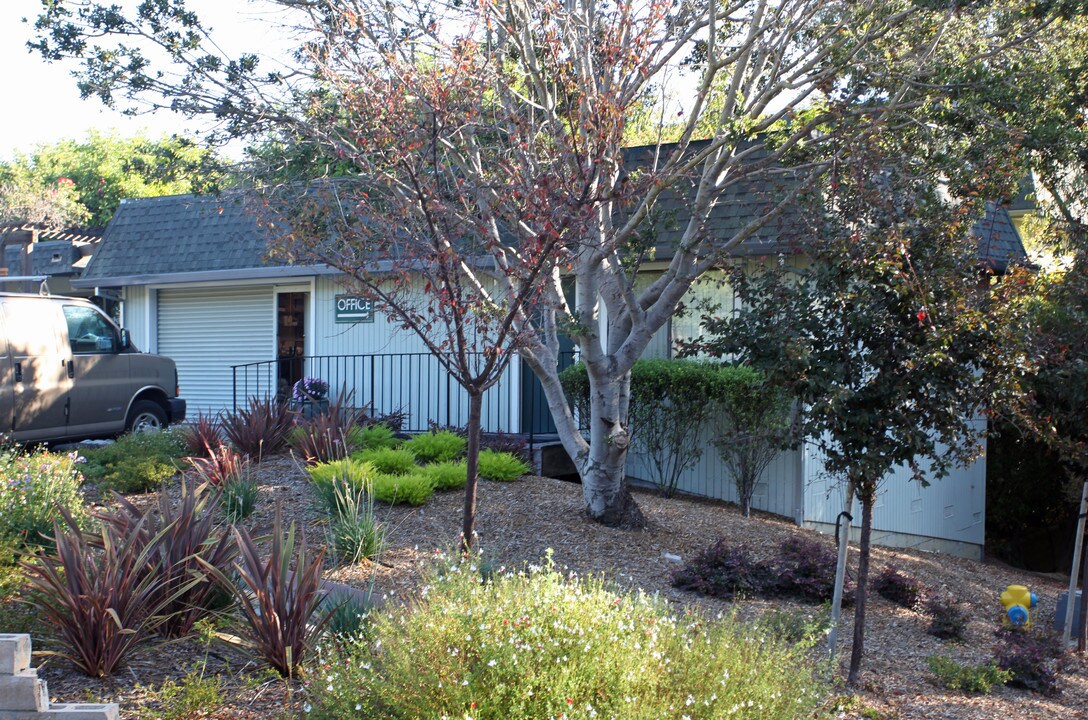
(176, 407)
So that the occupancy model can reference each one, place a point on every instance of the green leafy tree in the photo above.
(879, 328)
(23, 202)
(98, 172)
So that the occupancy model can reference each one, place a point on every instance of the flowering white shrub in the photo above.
(542, 644)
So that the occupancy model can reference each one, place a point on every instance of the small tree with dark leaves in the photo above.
(881, 333)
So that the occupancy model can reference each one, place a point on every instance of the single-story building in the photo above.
(197, 286)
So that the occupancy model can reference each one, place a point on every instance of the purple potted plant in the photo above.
(310, 396)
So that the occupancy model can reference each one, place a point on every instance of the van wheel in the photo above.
(145, 416)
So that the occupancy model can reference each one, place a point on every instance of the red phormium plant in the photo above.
(328, 435)
(220, 467)
(203, 433)
(260, 428)
(100, 592)
(178, 542)
(277, 603)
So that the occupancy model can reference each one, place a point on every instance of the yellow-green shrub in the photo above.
(414, 489)
(501, 466)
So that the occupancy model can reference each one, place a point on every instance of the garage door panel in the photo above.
(206, 331)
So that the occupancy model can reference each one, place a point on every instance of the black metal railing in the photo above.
(414, 384)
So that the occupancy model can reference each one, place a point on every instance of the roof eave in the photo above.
(234, 274)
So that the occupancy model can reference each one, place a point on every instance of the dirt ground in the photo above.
(518, 521)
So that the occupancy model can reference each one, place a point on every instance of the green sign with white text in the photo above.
(353, 309)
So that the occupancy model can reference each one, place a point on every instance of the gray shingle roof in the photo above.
(178, 234)
(999, 244)
(183, 235)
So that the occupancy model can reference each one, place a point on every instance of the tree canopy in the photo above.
(85, 180)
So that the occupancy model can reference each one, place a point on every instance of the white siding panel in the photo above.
(952, 508)
(134, 315)
(208, 330)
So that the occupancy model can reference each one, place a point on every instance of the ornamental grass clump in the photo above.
(541, 644)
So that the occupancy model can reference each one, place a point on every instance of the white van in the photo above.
(67, 372)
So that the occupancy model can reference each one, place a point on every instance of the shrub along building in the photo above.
(198, 286)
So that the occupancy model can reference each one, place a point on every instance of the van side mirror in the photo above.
(126, 341)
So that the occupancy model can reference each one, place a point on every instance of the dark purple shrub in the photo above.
(897, 587)
(805, 569)
(723, 571)
(947, 618)
(1034, 657)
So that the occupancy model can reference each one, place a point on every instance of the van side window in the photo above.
(88, 331)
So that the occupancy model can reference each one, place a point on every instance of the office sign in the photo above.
(353, 309)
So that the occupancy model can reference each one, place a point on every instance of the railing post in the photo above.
(448, 422)
(234, 387)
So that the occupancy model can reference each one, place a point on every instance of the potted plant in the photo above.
(310, 396)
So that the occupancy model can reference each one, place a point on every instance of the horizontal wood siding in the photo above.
(208, 330)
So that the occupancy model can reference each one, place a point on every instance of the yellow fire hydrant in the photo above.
(1018, 602)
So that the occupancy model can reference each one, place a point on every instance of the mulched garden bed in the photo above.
(518, 521)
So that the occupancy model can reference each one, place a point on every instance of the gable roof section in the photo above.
(999, 245)
(182, 238)
(187, 238)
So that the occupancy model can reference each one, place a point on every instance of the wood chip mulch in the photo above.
(518, 521)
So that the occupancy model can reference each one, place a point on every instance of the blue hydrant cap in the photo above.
(1018, 615)
(1034, 599)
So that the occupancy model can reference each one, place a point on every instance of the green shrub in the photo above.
(541, 645)
(389, 461)
(195, 695)
(137, 462)
(968, 678)
(501, 466)
(414, 489)
(447, 475)
(796, 627)
(33, 485)
(332, 480)
(376, 437)
(440, 446)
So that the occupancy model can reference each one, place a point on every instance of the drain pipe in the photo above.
(842, 534)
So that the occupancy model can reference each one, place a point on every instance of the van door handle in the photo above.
(18, 372)
(71, 369)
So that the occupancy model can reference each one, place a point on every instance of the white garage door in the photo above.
(206, 331)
